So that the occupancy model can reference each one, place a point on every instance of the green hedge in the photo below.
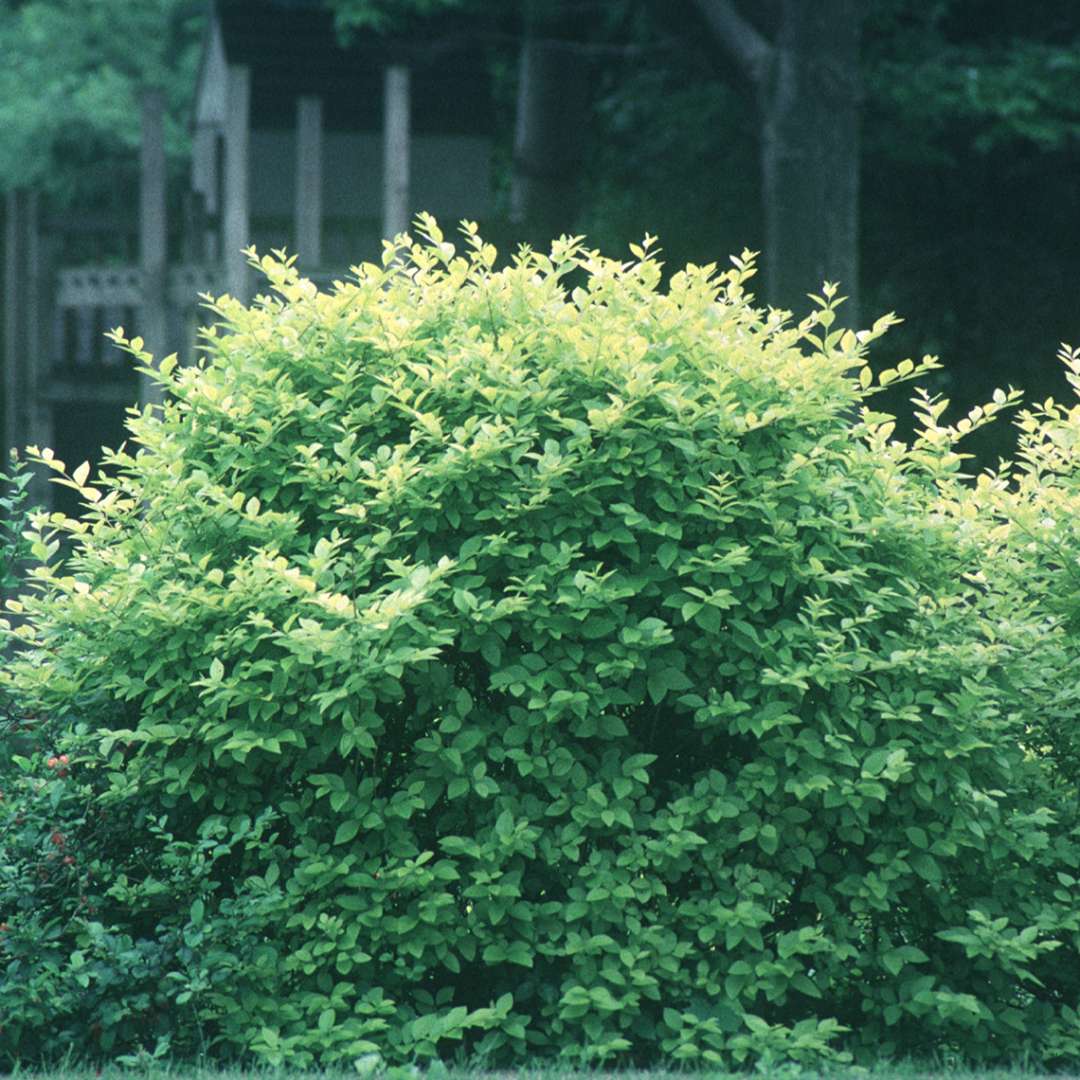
(543, 662)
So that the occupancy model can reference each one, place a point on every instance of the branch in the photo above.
(750, 50)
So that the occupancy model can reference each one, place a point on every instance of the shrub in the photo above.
(544, 663)
(80, 958)
(14, 514)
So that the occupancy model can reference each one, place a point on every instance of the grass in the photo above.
(884, 1071)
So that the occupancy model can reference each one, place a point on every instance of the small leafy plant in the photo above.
(14, 512)
(543, 662)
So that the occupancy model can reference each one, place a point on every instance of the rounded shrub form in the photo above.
(544, 662)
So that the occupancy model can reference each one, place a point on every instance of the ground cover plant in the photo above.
(544, 663)
(439, 1071)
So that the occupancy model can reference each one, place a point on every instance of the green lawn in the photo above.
(882, 1072)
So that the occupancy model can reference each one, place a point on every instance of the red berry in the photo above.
(63, 759)
(52, 763)
(58, 839)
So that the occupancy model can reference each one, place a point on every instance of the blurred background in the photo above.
(924, 153)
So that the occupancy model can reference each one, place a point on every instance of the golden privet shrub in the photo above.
(548, 662)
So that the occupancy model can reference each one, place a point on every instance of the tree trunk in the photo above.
(809, 105)
(548, 139)
(808, 89)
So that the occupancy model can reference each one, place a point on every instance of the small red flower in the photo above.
(58, 839)
(63, 759)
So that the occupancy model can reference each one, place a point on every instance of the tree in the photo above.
(551, 65)
(550, 115)
(970, 221)
(71, 79)
(806, 87)
(805, 84)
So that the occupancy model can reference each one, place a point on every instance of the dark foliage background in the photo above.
(969, 146)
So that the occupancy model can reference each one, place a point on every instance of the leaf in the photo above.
(661, 680)
(875, 762)
(917, 836)
(805, 985)
(673, 1019)
(710, 619)
(367, 1065)
(491, 650)
(926, 867)
(597, 626)
(755, 1023)
(893, 961)
(346, 831)
(519, 953)
(504, 825)
(667, 554)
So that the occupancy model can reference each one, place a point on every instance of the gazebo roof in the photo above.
(293, 49)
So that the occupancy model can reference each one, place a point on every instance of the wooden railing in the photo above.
(91, 300)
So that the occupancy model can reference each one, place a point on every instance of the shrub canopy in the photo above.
(547, 663)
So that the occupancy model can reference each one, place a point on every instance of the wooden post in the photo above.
(309, 153)
(548, 139)
(27, 415)
(396, 135)
(236, 214)
(18, 270)
(153, 326)
(206, 182)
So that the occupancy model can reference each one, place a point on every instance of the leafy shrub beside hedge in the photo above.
(540, 662)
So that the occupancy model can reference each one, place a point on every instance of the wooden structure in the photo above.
(297, 142)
